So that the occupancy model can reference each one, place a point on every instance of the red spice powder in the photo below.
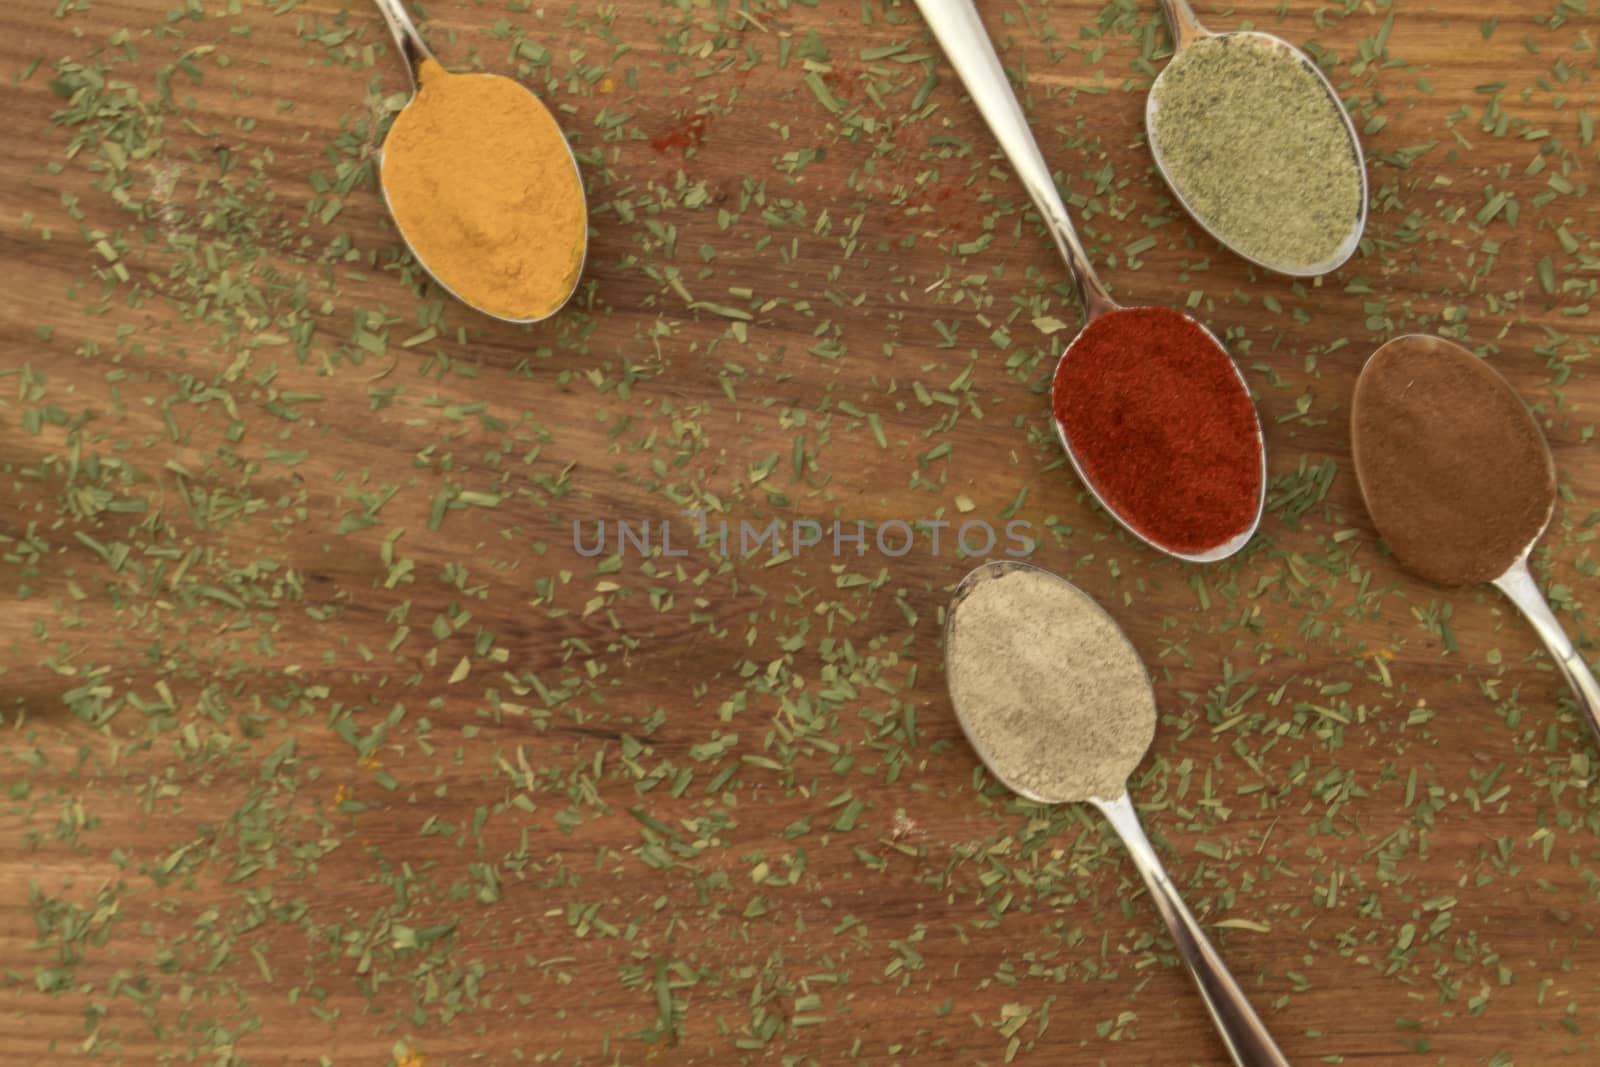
(1162, 426)
(684, 136)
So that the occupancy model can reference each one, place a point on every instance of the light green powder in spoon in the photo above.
(1257, 149)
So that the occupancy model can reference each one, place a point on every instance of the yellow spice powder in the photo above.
(479, 179)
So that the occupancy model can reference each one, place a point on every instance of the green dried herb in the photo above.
(1257, 150)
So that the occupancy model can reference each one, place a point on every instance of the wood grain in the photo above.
(741, 778)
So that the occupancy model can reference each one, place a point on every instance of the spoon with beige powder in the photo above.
(1056, 701)
(1459, 481)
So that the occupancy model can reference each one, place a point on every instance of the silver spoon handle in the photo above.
(1518, 584)
(1242, 1030)
(413, 49)
(961, 34)
(1183, 22)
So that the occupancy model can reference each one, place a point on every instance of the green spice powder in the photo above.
(1257, 150)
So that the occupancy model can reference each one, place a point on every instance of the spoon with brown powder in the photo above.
(1459, 480)
(1056, 702)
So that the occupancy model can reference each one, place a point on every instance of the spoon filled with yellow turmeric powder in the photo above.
(483, 186)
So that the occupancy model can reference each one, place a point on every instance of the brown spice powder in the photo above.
(1454, 470)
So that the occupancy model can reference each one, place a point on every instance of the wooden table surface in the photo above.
(327, 744)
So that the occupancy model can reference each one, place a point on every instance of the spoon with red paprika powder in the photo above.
(1153, 413)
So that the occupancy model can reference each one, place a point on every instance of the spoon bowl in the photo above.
(1210, 555)
(415, 53)
(1186, 30)
(1454, 536)
(961, 33)
(1039, 591)
(1127, 662)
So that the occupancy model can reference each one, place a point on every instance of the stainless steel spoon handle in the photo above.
(961, 34)
(413, 49)
(1242, 1030)
(1183, 23)
(1518, 584)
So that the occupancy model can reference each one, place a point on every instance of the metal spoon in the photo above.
(1517, 581)
(1242, 1031)
(1186, 29)
(415, 52)
(965, 41)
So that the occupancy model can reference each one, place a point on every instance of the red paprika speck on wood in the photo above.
(1162, 427)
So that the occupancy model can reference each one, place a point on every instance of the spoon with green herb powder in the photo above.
(1459, 480)
(1257, 146)
(1057, 704)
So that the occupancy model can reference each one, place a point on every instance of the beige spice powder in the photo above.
(1050, 691)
